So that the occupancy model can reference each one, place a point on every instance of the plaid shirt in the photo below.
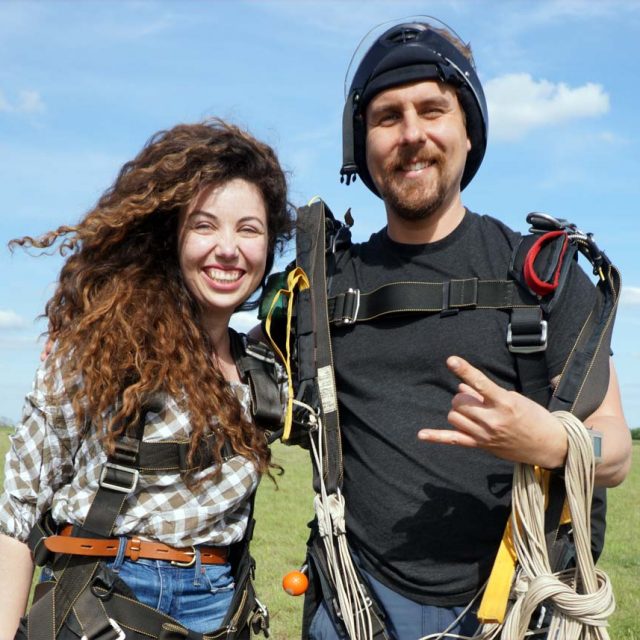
(49, 466)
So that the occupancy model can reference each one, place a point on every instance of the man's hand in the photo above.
(505, 423)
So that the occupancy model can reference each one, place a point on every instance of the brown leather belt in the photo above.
(136, 548)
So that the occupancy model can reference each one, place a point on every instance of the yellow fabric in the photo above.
(494, 601)
(297, 279)
(493, 607)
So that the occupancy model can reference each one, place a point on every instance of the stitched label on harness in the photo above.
(327, 388)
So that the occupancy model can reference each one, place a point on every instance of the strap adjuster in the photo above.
(350, 307)
(260, 352)
(111, 475)
(108, 634)
(529, 343)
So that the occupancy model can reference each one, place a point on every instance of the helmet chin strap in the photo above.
(349, 168)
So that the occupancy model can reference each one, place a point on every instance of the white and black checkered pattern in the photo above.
(49, 466)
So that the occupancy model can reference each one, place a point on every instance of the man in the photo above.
(425, 517)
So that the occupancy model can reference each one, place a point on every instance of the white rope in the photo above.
(330, 511)
(581, 599)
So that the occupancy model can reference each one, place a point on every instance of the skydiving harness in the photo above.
(536, 277)
(87, 600)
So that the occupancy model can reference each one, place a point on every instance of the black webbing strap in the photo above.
(257, 364)
(74, 574)
(527, 334)
(310, 241)
(145, 620)
(527, 340)
(581, 389)
(585, 376)
(584, 382)
(170, 457)
(423, 297)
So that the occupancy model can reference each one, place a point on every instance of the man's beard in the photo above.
(419, 201)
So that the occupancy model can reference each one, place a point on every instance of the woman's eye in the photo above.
(203, 228)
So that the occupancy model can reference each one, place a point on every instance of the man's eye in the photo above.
(388, 119)
(431, 112)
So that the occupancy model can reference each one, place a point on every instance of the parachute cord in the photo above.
(580, 599)
(330, 511)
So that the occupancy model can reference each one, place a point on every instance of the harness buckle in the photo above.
(126, 450)
(259, 620)
(187, 563)
(260, 352)
(528, 343)
(115, 471)
(115, 627)
(350, 307)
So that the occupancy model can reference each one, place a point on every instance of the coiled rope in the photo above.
(580, 599)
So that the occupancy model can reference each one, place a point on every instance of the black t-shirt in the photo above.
(426, 519)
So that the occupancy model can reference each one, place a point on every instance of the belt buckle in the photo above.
(190, 563)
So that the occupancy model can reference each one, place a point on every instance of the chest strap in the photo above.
(424, 297)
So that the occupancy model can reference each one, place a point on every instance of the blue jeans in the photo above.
(406, 619)
(198, 596)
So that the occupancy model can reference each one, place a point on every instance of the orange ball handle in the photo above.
(295, 583)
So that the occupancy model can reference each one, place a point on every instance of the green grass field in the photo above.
(281, 532)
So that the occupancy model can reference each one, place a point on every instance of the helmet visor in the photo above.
(374, 34)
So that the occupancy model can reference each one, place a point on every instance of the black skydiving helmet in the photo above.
(409, 51)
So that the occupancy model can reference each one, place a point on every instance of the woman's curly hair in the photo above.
(122, 318)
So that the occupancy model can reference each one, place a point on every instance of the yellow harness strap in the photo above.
(493, 607)
(496, 594)
(296, 279)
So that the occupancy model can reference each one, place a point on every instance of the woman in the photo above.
(140, 318)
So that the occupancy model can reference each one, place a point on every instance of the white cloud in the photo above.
(11, 320)
(630, 296)
(28, 101)
(519, 104)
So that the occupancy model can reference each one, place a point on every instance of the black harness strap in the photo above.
(257, 363)
(318, 237)
(584, 379)
(312, 225)
(172, 456)
(425, 297)
(118, 479)
(83, 587)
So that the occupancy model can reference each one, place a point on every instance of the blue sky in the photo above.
(84, 85)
